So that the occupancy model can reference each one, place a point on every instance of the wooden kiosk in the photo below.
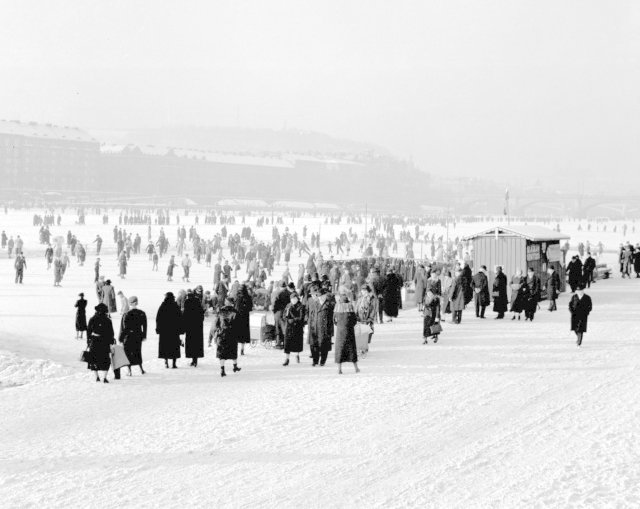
(519, 247)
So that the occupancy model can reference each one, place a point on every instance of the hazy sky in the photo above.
(493, 88)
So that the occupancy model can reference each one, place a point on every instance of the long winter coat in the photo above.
(81, 315)
(193, 320)
(225, 334)
(100, 337)
(391, 295)
(467, 284)
(294, 315)
(480, 285)
(553, 286)
(133, 331)
(345, 320)
(456, 294)
(533, 293)
(580, 309)
(169, 328)
(500, 287)
(421, 283)
(321, 323)
(574, 270)
(244, 306)
(518, 294)
(109, 298)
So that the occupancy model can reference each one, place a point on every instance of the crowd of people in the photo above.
(334, 301)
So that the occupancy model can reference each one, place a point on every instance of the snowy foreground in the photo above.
(497, 414)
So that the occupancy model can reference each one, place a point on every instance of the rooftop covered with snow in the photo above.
(530, 232)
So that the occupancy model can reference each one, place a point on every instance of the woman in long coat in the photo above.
(366, 308)
(224, 331)
(244, 306)
(445, 285)
(320, 326)
(81, 316)
(100, 337)
(192, 321)
(391, 294)
(457, 297)
(499, 294)
(431, 316)
(345, 319)
(420, 281)
(109, 297)
(518, 294)
(580, 306)
(294, 315)
(169, 328)
(133, 331)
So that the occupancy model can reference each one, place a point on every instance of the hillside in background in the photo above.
(239, 140)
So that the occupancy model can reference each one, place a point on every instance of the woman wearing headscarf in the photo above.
(192, 321)
(294, 315)
(133, 331)
(100, 337)
(457, 297)
(169, 328)
(420, 281)
(345, 319)
(224, 331)
(244, 306)
(81, 316)
(366, 309)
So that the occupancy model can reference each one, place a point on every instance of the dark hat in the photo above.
(107, 282)
(102, 308)
(81, 295)
(581, 286)
(169, 295)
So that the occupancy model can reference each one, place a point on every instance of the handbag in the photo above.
(85, 356)
(436, 328)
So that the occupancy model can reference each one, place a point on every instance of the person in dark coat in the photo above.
(580, 306)
(467, 284)
(533, 295)
(574, 271)
(320, 326)
(169, 328)
(244, 306)
(431, 316)
(133, 331)
(456, 297)
(553, 288)
(499, 293)
(192, 322)
(294, 316)
(345, 320)
(588, 267)
(224, 332)
(390, 294)
(281, 300)
(100, 337)
(81, 316)
(481, 297)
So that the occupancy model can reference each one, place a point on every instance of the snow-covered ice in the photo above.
(497, 414)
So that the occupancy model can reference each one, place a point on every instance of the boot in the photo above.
(236, 368)
(106, 381)
(298, 358)
(174, 364)
(166, 363)
(286, 362)
(222, 373)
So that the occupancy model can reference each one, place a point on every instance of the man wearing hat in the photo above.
(480, 285)
(580, 307)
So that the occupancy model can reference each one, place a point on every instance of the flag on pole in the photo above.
(506, 202)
